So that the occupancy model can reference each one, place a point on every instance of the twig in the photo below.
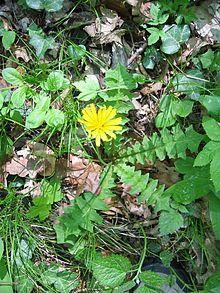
(136, 54)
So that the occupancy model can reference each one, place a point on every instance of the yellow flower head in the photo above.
(100, 123)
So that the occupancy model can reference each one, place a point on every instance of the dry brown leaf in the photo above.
(22, 54)
(34, 158)
(166, 175)
(103, 30)
(151, 88)
(17, 166)
(80, 172)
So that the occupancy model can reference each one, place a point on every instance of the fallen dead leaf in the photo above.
(103, 30)
(166, 175)
(79, 172)
(22, 54)
(151, 88)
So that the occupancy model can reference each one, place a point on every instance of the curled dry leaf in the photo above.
(35, 158)
(22, 54)
(80, 172)
(103, 30)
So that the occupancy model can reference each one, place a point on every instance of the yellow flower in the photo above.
(100, 123)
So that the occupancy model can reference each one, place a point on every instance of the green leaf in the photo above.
(212, 285)
(207, 154)
(169, 222)
(125, 287)
(184, 108)
(152, 279)
(48, 5)
(66, 282)
(188, 190)
(35, 119)
(5, 278)
(215, 171)
(88, 88)
(166, 258)
(154, 35)
(51, 193)
(11, 75)
(8, 39)
(1, 248)
(167, 117)
(1, 100)
(55, 118)
(43, 103)
(119, 78)
(214, 212)
(174, 36)
(191, 83)
(145, 289)
(76, 52)
(55, 80)
(41, 44)
(18, 97)
(211, 103)
(207, 59)
(110, 270)
(6, 147)
(211, 127)
(24, 283)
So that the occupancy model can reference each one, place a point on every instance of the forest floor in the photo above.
(109, 145)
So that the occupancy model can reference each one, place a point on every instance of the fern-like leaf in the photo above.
(172, 143)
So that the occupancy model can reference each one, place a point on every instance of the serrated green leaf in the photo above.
(119, 78)
(211, 127)
(152, 279)
(18, 97)
(8, 39)
(125, 287)
(215, 171)
(166, 258)
(207, 154)
(12, 76)
(88, 88)
(110, 270)
(169, 222)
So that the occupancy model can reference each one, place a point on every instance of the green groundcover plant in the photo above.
(46, 103)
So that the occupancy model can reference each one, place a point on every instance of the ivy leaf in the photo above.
(66, 282)
(169, 222)
(154, 35)
(110, 270)
(215, 171)
(49, 5)
(211, 127)
(191, 83)
(174, 36)
(41, 44)
(8, 39)
(12, 76)
(88, 88)
(207, 58)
